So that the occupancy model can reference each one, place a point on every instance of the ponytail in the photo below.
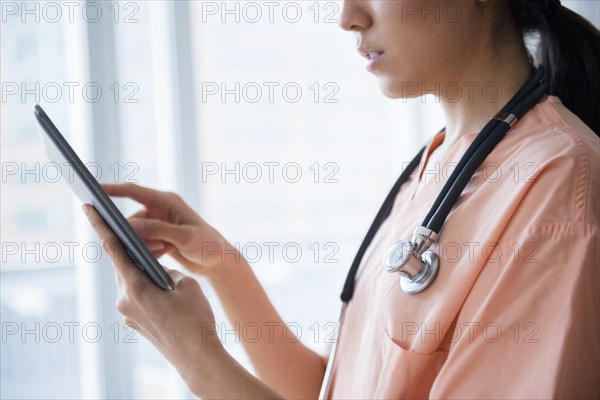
(569, 49)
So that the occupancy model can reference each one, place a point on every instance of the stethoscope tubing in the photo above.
(479, 149)
(476, 153)
(489, 143)
(450, 192)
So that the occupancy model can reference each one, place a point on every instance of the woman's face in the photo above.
(417, 46)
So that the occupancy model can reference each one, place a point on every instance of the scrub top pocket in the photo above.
(396, 381)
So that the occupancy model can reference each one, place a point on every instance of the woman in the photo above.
(513, 311)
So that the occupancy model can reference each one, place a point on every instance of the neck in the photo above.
(486, 86)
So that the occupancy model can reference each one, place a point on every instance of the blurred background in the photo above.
(260, 114)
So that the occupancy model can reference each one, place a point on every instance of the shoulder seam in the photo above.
(583, 164)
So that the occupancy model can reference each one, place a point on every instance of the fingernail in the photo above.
(86, 209)
(156, 247)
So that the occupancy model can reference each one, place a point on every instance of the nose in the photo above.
(355, 16)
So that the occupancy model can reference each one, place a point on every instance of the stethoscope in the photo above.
(416, 264)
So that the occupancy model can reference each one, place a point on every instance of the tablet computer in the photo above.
(87, 188)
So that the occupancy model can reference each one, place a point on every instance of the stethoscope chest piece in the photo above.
(430, 265)
(417, 268)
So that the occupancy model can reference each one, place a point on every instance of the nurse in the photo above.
(514, 309)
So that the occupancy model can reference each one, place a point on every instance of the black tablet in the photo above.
(89, 190)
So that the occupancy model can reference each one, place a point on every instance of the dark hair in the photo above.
(569, 49)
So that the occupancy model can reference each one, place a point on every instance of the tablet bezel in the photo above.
(109, 212)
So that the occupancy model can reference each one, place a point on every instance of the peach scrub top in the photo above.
(514, 310)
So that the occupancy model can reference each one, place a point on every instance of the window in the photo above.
(259, 113)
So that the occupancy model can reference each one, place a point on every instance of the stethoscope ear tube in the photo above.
(499, 130)
(462, 163)
(520, 109)
(522, 93)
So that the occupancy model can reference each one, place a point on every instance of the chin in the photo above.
(395, 88)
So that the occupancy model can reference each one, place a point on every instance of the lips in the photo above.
(370, 54)
(373, 56)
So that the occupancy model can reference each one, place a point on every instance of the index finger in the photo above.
(135, 192)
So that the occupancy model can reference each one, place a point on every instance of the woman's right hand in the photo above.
(168, 225)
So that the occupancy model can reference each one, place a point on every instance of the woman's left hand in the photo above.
(177, 321)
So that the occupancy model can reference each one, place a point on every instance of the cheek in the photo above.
(423, 47)
(414, 55)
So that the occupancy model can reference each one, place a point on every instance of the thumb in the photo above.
(154, 229)
(174, 274)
